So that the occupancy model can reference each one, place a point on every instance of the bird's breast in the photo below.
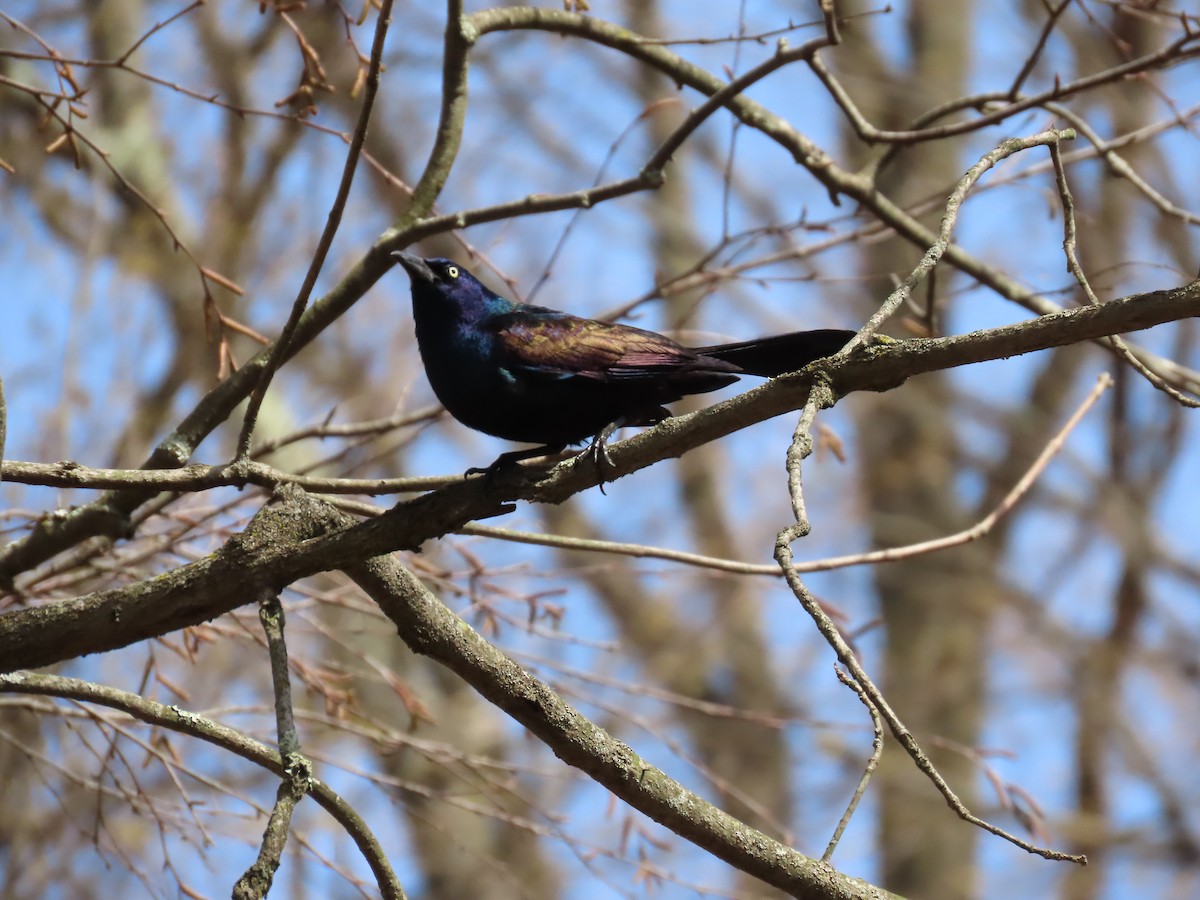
(461, 365)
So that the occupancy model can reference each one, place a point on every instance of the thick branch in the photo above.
(108, 516)
(195, 593)
(429, 627)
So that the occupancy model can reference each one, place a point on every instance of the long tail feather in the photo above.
(771, 356)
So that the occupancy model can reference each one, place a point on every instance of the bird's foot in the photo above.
(597, 451)
(489, 472)
(507, 460)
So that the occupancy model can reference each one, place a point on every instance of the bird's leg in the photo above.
(598, 448)
(514, 456)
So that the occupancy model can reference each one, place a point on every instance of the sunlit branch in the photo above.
(1076, 270)
(868, 770)
(801, 446)
(953, 204)
(1185, 47)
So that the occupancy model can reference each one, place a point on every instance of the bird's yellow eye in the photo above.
(451, 271)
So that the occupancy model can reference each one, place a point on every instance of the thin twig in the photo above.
(1106, 150)
(255, 882)
(1036, 53)
(872, 761)
(557, 250)
(192, 725)
(988, 522)
(783, 56)
(1076, 270)
(279, 351)
(270, 613)
(157, 27)
(953, 205)
(198, 477)
(829, 630)
(1181, 48)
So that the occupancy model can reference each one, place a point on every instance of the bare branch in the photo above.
(279, 350)
(190, 724)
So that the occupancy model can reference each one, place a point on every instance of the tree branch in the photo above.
(190, 724)
(198, 592)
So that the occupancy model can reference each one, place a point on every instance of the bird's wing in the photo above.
(555, 344)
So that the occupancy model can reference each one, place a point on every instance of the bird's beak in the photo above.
(417, 268)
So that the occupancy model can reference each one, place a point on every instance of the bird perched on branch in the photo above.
(540, 376)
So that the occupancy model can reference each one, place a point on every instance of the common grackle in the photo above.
(537, 375)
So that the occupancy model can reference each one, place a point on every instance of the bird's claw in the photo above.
(597, 451)
(486, 472)
(510, 460)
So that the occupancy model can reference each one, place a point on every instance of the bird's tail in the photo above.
(771, 356)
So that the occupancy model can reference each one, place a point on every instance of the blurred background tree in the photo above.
(167, 173)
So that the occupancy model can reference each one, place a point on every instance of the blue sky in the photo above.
(109, 326)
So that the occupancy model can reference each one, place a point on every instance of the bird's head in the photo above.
(445, 282)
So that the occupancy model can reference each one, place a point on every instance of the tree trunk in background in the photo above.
(727, 662)
(935, 608)
(751, 756)
(464, 819)
(1067, 636)
(1140, 447)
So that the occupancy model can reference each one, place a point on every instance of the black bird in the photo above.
(537, 375)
